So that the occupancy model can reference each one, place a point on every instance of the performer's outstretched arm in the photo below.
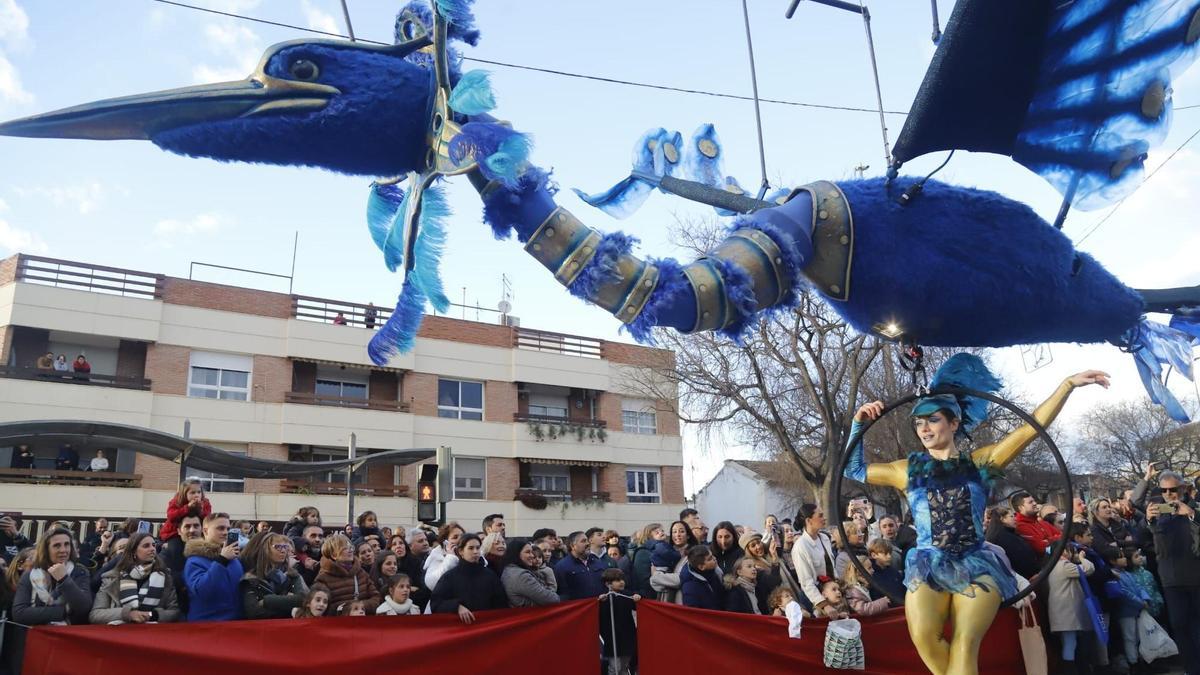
(891, 474)
(1002, 453)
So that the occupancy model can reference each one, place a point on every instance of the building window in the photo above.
(642, 487)
(339, 389)
(638, 417)
(224, 376)
(460, 400)
(215, 482)
(469, 477)
(547, 405)
(550, 478)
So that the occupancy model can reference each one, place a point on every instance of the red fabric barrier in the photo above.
(674, 639)
(500, 642)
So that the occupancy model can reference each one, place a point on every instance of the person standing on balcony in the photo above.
(339, 320)
(189, 497)
(61, 365)
(369, 316)
(68, 458)
(46, 361)
(22, 458)
(81, 367)
(99, 462)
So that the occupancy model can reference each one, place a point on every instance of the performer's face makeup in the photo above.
(936, 431)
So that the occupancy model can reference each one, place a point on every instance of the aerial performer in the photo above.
(950, 575)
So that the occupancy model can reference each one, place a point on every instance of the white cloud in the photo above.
(11, 89)
(14, 25)
(86, 197)
(237, 49)
(204, 223)
(14, 239)
(319, 20)
(3, 206)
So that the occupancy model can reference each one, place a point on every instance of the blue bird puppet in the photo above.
(1075, 91)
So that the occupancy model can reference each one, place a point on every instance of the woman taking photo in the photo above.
(469, 587)
(271, 587)
(139, 589)
(523, 586)
(56, 589)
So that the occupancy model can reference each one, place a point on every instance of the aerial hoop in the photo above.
(836, 488)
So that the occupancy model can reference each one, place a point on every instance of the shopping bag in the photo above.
(1033, 645)
(1092, 603)
(843, 645)
(1153, 641)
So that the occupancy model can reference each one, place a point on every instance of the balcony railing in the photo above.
(300, 486)
(88, 277)
(59, 477)
(344, 401)
(551, 419)
(326, 311)
(94, 379)
(565, 495)
(558, 343)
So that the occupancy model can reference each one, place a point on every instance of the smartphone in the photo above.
(232, 537)
(145, 526)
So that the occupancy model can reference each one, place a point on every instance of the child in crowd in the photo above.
(833, 605)
(783, 603)
(618, 608)
(664, 557)
(397, 602)
(858, 594)
(1129, 600)
(1068, 613)
(353, 608)
(315, 603)
(885, 573)
(1145, 581)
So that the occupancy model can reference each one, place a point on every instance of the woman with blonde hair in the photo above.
(344, 575)
(771, 572)
(56, 589)
(858, 594)
(742, 587)
(642, 548)
(188, 498)
(21, 563)
(492, 550)
(271, 586)
(139, 589)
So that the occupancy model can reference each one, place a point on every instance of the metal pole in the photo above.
(187, 433)
(350, 479)
(762, 153)
(292, 277)
(887, 150)
(349, 26)
(612, 617)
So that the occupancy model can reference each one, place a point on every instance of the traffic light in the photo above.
(427, 491)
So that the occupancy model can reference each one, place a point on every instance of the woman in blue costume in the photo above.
(950, 575)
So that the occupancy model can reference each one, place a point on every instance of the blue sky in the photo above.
(129, 204)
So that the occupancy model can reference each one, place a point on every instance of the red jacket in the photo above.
(175, 514)
(1036, 532)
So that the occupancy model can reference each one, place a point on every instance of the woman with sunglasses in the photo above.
(272, 586)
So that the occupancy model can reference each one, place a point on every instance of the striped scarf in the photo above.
(141, 589)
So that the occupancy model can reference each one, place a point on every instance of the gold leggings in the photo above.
(926, 612)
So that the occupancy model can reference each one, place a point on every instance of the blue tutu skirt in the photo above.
(957, 573)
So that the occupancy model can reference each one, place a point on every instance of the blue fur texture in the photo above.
(503, 154)
(672, 292)
(460, 18)
(603, 266)
(963, 267)
(374, 127)
(739, 291)
(399, 333)
(509, 161)
(429, 246)
(521, 208)
(473, 94)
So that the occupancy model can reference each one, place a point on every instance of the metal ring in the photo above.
(835, 490)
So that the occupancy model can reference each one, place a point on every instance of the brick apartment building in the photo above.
(276, 376)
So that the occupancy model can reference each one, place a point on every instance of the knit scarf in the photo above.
(394, 608)
(748, 586)
(140, 588)
(41, 584)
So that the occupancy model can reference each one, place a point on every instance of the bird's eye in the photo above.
(304, 70)
(408, 30)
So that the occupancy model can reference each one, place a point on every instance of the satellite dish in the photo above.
(504, 306)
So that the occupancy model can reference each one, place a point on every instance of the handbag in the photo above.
(1033, 644)
(1153, 641)
(843, 645)
(1092, 603)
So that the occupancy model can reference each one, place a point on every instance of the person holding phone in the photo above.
(212, 572)
(1177, 541)
(11, 539)
(139, 589)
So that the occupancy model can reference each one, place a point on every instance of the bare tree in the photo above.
(1121, 438)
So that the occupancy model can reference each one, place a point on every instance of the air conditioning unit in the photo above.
(510, 320)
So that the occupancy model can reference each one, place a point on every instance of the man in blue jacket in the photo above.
(212, 573)
(579, 573)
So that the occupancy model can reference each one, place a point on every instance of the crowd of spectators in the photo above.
(1138, 552)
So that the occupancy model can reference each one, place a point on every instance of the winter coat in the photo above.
(808, 567)
(412, 566)
(212, 582)
(579, 579)
(10, 546)
(1130, 599)
(1022, 558)
(1065, 604)
(702, 589)
(737, 599)
(525, 588)
(71, 599)
(470, 585)
(176, 512)
(1175, 540)
(640, 581)
(437, 563)
(618, 609)
(107, 606)
(348, 584)
(1111, 536)
(891, 579)
(726, 558)
(273, 598)
(1149, 585)
(172, 557)
(666, 585)
(861, 603)
(1036, 532)
(389, 607)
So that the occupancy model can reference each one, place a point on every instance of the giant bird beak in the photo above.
(141, 116)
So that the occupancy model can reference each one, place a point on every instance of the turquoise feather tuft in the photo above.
(399, 333)
(473, 94)
(427, 250)
(394, 244)
(383, 204)
(456, 11)
(511, 159)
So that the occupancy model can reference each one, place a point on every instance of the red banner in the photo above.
(500, 642)
(674, 639)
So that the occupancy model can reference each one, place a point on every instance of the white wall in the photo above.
(735, 496)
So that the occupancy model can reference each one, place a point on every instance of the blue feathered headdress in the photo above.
(961, 370)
